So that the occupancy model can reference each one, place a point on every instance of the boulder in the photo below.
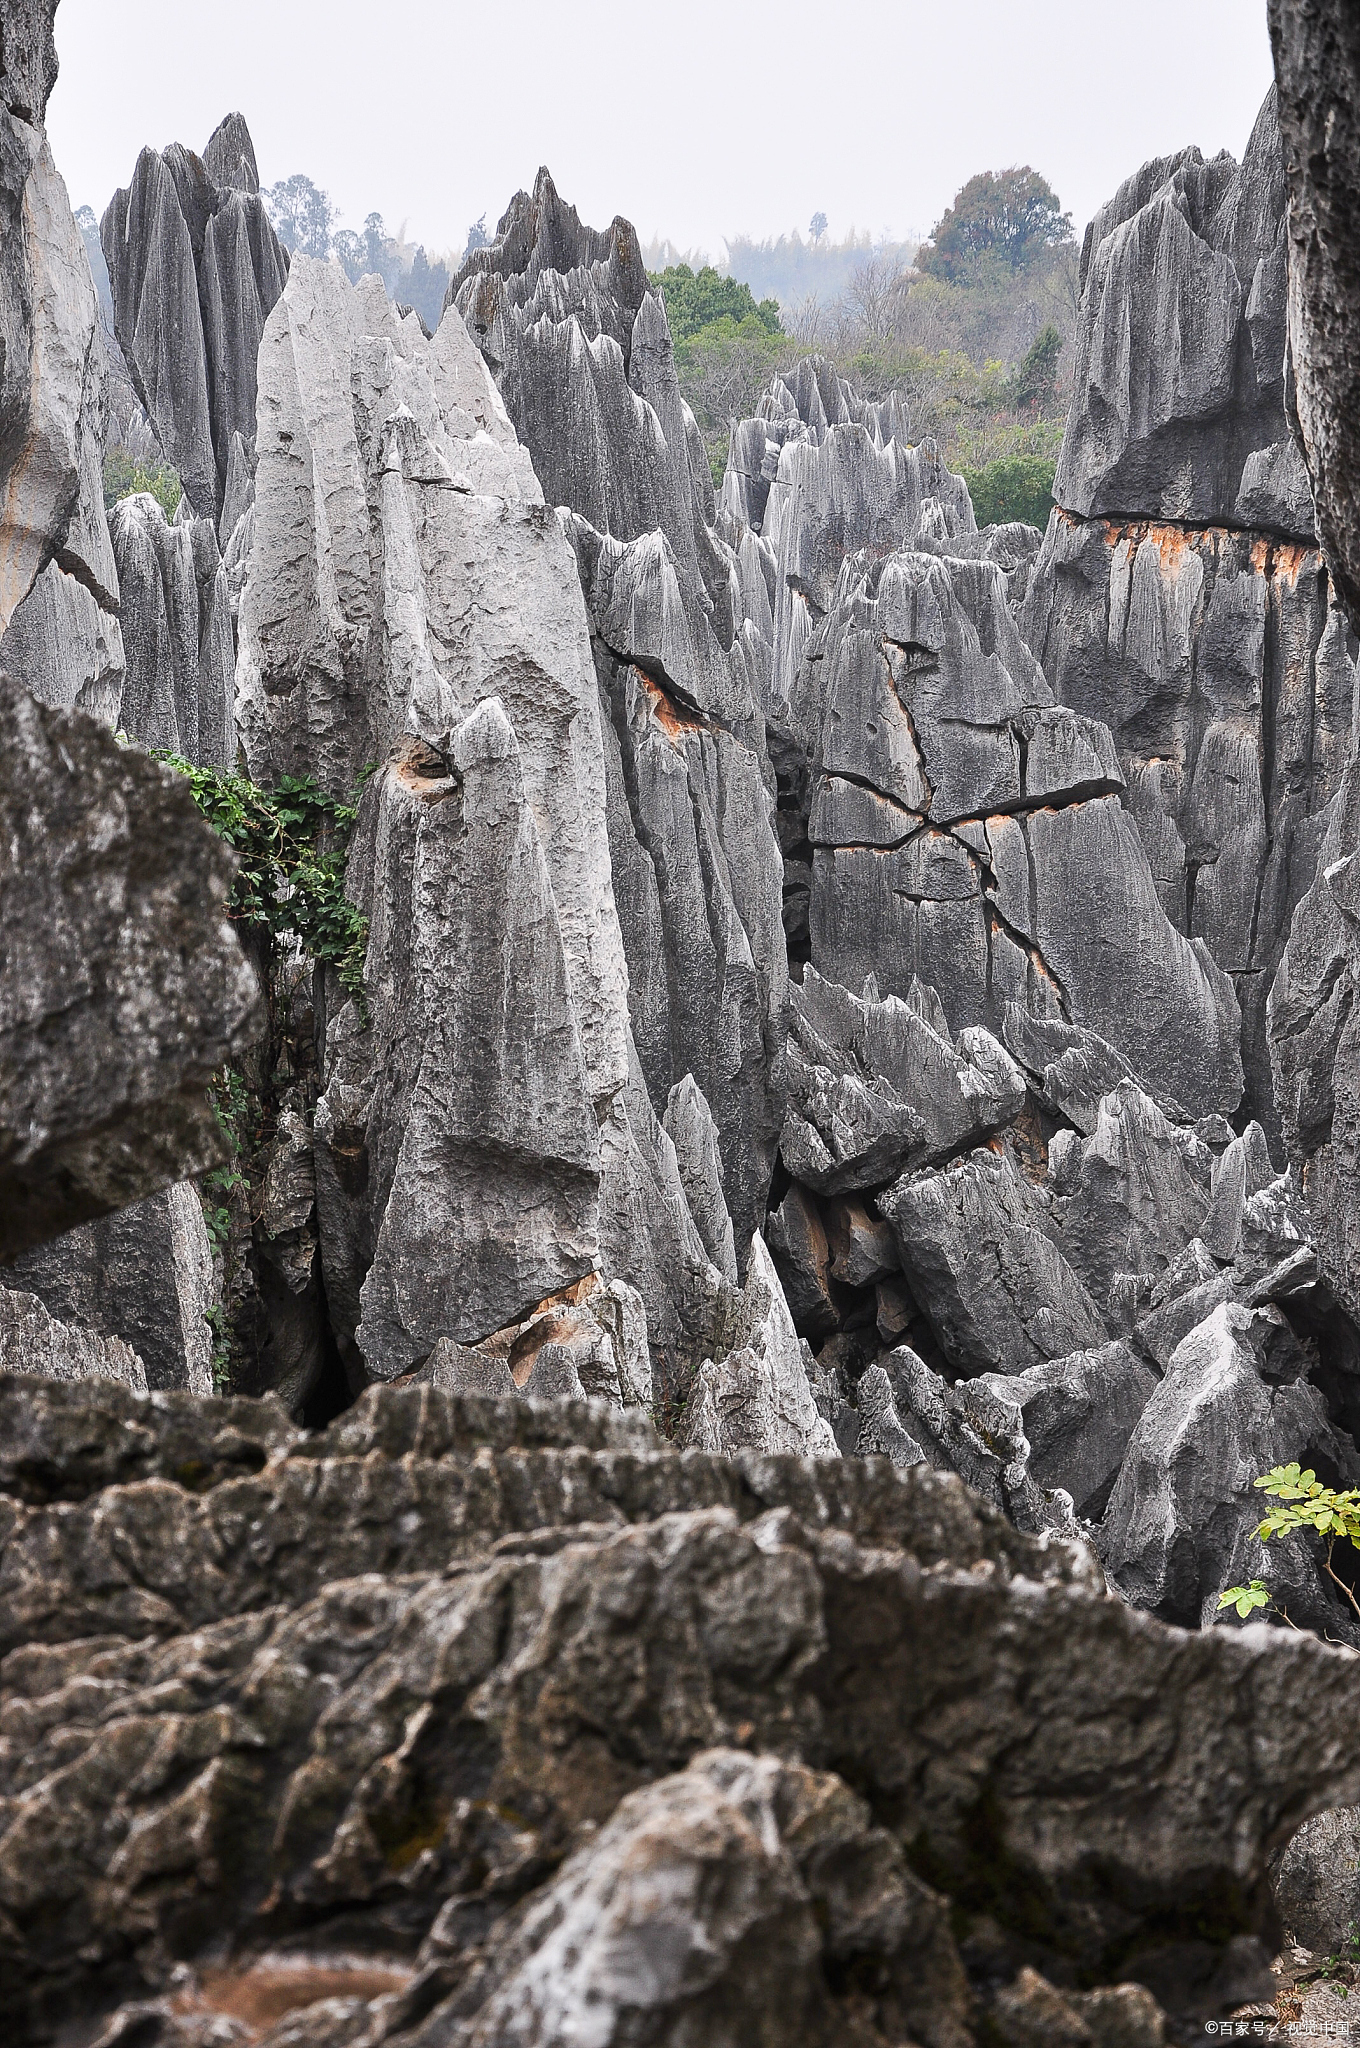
(1317, 1890)
(1180, 1524)
(758, 1396)
(982, 1257)
(123, 986)
(143, 1275)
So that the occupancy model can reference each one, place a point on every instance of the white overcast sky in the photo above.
(696, 121)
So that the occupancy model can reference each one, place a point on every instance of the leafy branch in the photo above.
(1304, 1503)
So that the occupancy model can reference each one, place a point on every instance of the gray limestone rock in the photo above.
(978, 1429)
(758, 1397)
(776, 1887)
(879, 1431)
(1317, 1883)
(194, 268)
(1179, 1526)
(143, 1275)
(1226, 677)
(967, 831)
(798, 1242)
(179, 691)
(480, 1191)
(1179, 378)
(1317, 67)
(65, 648)
(123, 983)
(878, 1086)
(698, 884)
(1071, 1070)
(393, 511)
(32, 1340)
(1077, 1415)
(538, 1604)
(981, 1255)
(1314, 1031)
(689, 1125)
(863, 1248)
(53, 395)
(1138, 1192)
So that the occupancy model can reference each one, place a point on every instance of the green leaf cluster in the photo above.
(698, 299)
(1245, 1598)
(123, 476)
(1306, 1504)
(293, 841)
(1303, 1503)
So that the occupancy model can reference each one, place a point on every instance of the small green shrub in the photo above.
(293, 841)
(123, 476)
(1304, 1503)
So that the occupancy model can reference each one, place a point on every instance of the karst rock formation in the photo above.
(756, 1297)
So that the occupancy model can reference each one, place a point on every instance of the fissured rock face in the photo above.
(402, 1668)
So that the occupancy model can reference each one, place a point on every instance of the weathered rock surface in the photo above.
(465, 1096)
(180, 687)
(65, 648)
(32, 1340)
(1317, 71)
(1179, 382)
(401, 1760)
(1180, 596)
(967, 832)
(981, 1254)
(123, 984)
(1226, 675)
(143, 1275)
(393, 512)
(1317, 1890)
(1313, 1037)
(1181, 1518)
(758, 1397)
(195, 268)
(581, 352)
(876, 1086)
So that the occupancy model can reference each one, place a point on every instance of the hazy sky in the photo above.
(696, 121)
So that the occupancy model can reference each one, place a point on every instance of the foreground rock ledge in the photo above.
(369, 1688)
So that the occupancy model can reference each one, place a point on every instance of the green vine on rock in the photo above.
(294, 842)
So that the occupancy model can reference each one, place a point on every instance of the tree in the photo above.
(697, 299)
(1036, 375)
(1013, 487)
(817, 226)
(477, 237)
(302, 214)
(1010, 215)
